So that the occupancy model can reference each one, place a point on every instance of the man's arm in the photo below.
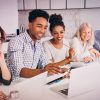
(28, 73)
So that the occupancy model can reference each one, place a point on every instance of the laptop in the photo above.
(82, 80)
(30, 89)
(76, 64)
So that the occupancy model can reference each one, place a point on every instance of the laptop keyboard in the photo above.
(65, 91)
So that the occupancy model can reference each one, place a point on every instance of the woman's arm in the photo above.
(48, 52)
(68, 59)
(94, 51)
(4, 69)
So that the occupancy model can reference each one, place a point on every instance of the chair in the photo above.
(97, 40)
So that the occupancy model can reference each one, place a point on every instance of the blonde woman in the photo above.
(83, 44)
(5, 76)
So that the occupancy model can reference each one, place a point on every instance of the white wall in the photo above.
(72, 18)
(9, 15)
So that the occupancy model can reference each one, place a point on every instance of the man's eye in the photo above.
(55, 33)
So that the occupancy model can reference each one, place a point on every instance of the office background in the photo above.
(14, 13)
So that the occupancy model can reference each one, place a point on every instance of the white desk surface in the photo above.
(48, 94)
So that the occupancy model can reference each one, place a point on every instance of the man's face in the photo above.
(38, 28)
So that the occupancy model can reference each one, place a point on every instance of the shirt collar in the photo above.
(29, 39)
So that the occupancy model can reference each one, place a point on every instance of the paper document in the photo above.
(56, 76)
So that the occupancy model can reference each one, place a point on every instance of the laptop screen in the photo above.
(82, 80)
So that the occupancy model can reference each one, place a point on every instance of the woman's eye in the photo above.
(61, 32)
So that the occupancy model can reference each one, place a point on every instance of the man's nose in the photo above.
(43, 30)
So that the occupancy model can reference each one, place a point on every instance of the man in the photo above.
(25, 52)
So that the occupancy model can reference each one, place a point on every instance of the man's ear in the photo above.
(30, 25)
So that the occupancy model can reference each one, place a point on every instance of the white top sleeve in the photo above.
(47, 51)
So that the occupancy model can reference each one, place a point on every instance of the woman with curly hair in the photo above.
(57, 49)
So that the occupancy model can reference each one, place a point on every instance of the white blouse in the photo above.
(81, 51)
(54, 54)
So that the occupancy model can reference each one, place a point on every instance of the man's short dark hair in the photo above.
(37, 13)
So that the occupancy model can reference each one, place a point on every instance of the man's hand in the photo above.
(54, 68)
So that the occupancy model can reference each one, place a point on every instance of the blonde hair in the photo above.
(78, 33)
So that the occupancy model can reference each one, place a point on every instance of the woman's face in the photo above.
(58, 33)
(85, 34)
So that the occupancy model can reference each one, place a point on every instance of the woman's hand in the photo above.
(87, 59)
(94, 51)
(71, 53)
(97, 54)
(2, 57)
(2, 96)
(2, 60)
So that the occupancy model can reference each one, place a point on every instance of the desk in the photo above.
(91, 95)
(7, 89)
(48, 94)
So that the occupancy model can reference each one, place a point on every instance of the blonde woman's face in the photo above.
(85, 34)
(58, 33)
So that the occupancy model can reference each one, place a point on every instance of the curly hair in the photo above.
(55, 20)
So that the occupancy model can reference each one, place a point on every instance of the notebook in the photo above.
(82, 80)
(30, 89)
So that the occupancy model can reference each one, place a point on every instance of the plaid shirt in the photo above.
(24, 53)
